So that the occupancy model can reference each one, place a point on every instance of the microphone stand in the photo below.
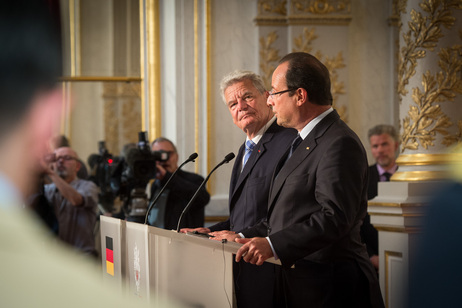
(192, 157)
(228, 157)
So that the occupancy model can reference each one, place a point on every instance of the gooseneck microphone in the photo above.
(226, 160)
(191, 157)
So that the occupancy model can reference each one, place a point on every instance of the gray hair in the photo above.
(238, 76)
(163, 139)
(383, 129)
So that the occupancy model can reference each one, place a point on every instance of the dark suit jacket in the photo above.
(369, 234)
(316, 206)
(181, 190)
(249, 189)
(248, 199)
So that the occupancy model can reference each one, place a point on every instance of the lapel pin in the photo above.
(307, 148)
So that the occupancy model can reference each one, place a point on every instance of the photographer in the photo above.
(167, 210)
(74, 201)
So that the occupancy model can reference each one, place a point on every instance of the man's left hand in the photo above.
(255, 250)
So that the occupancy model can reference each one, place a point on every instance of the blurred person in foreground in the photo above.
(35, 271)
(434, 266)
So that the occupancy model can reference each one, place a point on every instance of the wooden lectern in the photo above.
(146, 261)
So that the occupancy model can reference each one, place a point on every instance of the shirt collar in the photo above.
(260, 133)
(392, 170)
(309, 127)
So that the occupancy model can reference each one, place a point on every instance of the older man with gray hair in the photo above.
(245, 96)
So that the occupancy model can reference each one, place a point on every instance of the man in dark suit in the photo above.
(384, 143)
(245, 96)
(317, 199)
(167, 210)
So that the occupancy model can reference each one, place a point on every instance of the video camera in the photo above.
(102, 166)
(131, 176)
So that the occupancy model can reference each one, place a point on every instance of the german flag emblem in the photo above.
(109, 256)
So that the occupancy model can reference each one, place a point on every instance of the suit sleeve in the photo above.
(327, 197)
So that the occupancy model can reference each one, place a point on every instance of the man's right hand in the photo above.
(200, 230)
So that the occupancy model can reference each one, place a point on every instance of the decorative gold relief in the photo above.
(321, 6)
(121, 114)
(268, 57)
(426, 119)
(456, 138)
(130, 121)
(303, 44)
(398, 9)
(272, 6)
(424, 33)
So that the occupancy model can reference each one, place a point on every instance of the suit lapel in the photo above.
(253, 159)
(236, 172)
(302, 153)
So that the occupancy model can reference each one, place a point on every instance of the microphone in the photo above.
(226, 160)
(191, 157)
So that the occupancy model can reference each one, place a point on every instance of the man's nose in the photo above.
(242, 104)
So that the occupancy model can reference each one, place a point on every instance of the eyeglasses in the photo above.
(65, 157)
(280, 92)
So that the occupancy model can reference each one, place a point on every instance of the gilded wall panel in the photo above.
(424, 87)
(304, 43)
(122, 114)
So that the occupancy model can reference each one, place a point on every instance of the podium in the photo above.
(147, 261)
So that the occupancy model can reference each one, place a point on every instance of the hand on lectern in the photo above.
(198, 230)
(230, 236)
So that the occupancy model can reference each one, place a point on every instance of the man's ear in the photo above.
(302, 96)
(44, 119)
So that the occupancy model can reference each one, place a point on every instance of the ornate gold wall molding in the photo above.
(122, 116)
(426, 119)
(324, 12)
(304, 43)
(272, 7)
(269, 57)
(428, 159)
(398, 9)
(320, 7)
(302, 12)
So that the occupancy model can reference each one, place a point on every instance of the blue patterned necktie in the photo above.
(249, 145)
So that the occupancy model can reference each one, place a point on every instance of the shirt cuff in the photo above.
(272, 248)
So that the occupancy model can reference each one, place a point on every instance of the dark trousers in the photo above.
(254, 284)
(340, 284)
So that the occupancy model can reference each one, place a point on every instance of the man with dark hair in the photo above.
(36, 271)
(384, 142)
(317, 200)
(167, 210)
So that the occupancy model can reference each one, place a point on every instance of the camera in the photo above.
(131, 176)
(102, 166)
